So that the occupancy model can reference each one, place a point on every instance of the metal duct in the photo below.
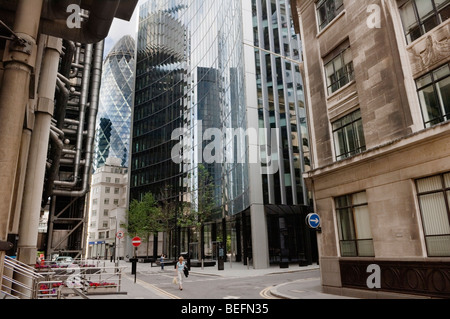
(92, 117)
(76, 62)
(57, 145)
(83, 106)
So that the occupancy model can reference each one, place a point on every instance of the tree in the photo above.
(202, 204)
(144, 218)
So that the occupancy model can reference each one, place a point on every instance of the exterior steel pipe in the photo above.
(76, 63)
(57, 130)
(72, 122)
(92, 118)
(83, 106)
(68, 161)
(56, 141)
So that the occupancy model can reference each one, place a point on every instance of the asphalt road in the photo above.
(200, 286)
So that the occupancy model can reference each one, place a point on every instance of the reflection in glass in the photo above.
(190, 75)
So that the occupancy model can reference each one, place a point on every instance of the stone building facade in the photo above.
(378, 92)
(108, 212)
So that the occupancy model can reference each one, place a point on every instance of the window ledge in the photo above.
(331, 23)
(329, 97)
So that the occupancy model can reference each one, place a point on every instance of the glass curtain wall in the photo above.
(161, 86)
(282, 118)
(215, 104)
(281, 101)
(190, 77)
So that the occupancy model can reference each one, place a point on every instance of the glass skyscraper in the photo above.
(280, 99)
(225, 75)
(281, 114)
(116, 98)
(161, 86)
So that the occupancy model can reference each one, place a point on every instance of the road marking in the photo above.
(154, 288)
(265, 293)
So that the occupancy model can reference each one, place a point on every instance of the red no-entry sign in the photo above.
(136, 241)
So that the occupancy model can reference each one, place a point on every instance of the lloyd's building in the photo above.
(225, 75)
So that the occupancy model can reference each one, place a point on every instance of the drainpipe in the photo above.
(92, 117)
(34, 183)
(19, 61)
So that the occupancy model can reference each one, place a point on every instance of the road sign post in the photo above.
(136, 242)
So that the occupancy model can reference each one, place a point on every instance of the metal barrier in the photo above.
(48, 289)
(79, 279)
(19, 280)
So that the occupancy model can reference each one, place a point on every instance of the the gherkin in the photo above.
(116, 98)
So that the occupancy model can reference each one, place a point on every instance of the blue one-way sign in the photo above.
(313, 220)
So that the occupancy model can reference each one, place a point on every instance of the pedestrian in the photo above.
(180, 271)
(161, 261)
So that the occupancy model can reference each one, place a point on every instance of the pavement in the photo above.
(307, 288)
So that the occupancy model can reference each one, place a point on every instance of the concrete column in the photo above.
(16, 206)
(258, 220)
(260, 242)
(19, 59)
(34, 183)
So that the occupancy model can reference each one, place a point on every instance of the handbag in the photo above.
(174, 280)
(186, 271)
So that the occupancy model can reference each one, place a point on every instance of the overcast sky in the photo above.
(121, 28)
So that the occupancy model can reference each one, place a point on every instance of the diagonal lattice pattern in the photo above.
(116, 97)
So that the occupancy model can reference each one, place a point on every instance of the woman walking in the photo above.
(179, 269)
(161, 261)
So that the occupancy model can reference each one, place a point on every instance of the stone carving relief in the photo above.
(434, 52)
(428, 52)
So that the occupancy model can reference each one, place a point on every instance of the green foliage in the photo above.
(151, 217)
(144, 217)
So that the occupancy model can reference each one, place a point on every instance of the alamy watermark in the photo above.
(74, 19)
(228, 145)
(374, 279)
(374, 19)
